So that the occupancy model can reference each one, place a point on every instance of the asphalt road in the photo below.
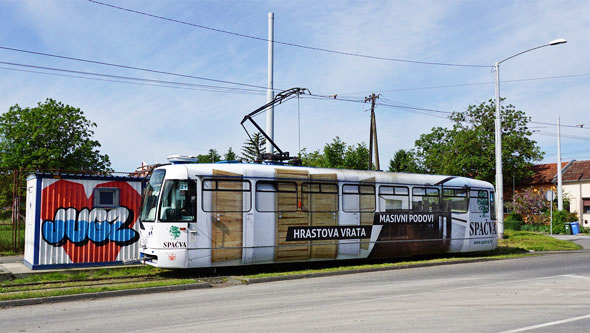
(549, 293)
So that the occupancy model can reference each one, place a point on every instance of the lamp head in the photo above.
(557, 41)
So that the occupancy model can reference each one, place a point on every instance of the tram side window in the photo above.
(394, 197)
(179, 201)
(455, 200)
(425, 199)
(319, 197)
(479, 202)
(277, 196)
(358, 198)
(226, 195)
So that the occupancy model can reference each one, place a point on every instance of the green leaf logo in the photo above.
(174, 231)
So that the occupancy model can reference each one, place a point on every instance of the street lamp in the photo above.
(499, 180)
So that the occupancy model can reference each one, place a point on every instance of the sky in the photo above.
(218, 51)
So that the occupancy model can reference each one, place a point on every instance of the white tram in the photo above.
(207, 215)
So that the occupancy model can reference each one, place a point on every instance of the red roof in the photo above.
(543, 173)
(577, 171)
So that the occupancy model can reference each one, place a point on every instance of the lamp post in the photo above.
(499, 179)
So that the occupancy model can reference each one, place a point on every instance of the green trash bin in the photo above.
(568, 228)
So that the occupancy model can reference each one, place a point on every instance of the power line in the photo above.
(160, 82)
(286, 43)
(476, 83)
(129, 67)
(204, 87)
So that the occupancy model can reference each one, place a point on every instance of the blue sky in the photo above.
(139, 122)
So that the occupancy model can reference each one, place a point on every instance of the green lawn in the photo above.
(535, 241)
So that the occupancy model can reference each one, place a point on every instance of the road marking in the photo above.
(551, 323)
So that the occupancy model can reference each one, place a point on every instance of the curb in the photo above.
(354, 271)
(106, 294)
(247, 281)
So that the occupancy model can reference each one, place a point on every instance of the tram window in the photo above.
(319, 197)
(358, 198)
(455, 200)
(274, 196)
(479, 202)
(226, 195)
(425, 199)
(150, 197)
(178, 203)
(394, 197)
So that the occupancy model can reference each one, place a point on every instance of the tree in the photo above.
(230, 155)
(338, 154)
(404, 161)
(253, 147)
(211, 157)
(49, 136)
(468, 148)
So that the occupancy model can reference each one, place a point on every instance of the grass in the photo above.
(515, 244)
(69, 276)
(533, 241)
(382, 265)
(6, 247)
(86, 290)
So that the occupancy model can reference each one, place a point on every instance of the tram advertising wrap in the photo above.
(203, 215)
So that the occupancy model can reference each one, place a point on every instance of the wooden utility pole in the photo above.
(373, 134)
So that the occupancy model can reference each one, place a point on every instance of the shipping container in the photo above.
(81, 220)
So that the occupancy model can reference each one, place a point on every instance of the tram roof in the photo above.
(191, 170)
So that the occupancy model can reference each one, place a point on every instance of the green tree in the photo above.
(230, 155)
(468, 148)
(404, 161)
(211, 157)
(253, 146)
(49, 136)
(338, 154)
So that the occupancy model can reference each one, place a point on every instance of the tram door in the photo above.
(322, 193)
(286, 217)
(227, 216)
(367, 205)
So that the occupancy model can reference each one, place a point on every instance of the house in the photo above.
(544, 178)
(576, 185)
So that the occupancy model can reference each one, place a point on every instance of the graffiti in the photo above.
(98, 225)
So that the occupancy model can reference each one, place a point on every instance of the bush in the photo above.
(513, 221)
(560, 218)
(512, 225)
(514, 217)
(535, 227)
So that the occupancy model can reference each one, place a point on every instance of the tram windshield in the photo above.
(150, 196)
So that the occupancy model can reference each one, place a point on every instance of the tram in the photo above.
(229, 214)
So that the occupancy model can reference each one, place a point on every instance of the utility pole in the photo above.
(270, 114)
(373, 134)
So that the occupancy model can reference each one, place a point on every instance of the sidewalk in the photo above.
(581, 239)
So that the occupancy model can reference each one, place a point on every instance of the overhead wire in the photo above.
(161, 83)
(286, 43)
(130, 67)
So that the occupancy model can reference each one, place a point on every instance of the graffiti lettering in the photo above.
(98, 225)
